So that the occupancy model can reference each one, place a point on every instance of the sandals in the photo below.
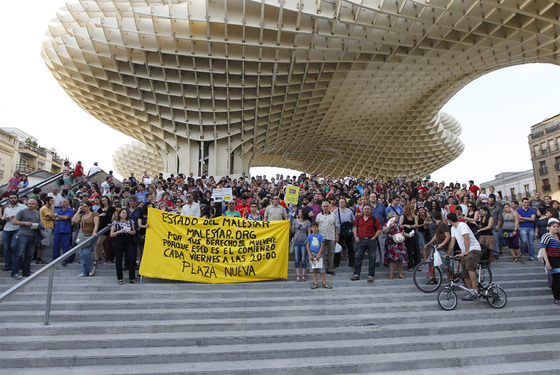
(133, 281)
(520, 260)
(314, 286)
(120, 282)
(402, 277)
(515, 260)
(297, 279)
(390, 277)
(327, 286)
(302, 277)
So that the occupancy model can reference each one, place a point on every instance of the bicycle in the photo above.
(496, 296)
(428, 278)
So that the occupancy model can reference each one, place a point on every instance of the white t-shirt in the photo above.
(93, 170)
(193, 210)
(458, 233)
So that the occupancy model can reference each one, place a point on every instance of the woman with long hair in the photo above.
(409, 222)
(301, 228)
(105, 211)
(123, 232)
(471, 217)
(89, 224)
(23, 183)
(486, 237)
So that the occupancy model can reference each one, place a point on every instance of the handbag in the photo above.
(292, 242)
(82, 237)
(345, 228)
(398, 237)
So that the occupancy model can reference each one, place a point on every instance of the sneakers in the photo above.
(82, 275)
(355, 277)
(40, 261)
(64, 263)
(17, 277)
(6, 269)
(432, 282)
(472, 296)
(370, 279)
(530, 259)
(92, 272)
(557, 302)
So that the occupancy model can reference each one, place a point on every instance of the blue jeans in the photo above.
(498, 236)
(9, 243)
(526, 236)
(370, 246)
(61, 239)
(86, 256)
(300, 254)
(25, 247)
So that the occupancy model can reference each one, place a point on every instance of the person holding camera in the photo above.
(89, 223)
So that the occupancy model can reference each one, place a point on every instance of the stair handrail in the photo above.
(49, 268)
(30, 188)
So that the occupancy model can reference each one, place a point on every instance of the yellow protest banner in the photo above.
(292, 194)
(219, 250)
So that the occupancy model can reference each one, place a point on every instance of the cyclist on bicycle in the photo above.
(470, 253)
(442, 238)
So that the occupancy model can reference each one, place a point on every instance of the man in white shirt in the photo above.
(57, 198)
(94, 169)
(470, 252)
(10, 232)
(190, 208)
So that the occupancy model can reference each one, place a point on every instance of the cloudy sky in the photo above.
(495, 111)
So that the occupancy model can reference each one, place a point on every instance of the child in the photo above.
(315, 244)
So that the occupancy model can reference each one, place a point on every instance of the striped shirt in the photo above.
(551, 245)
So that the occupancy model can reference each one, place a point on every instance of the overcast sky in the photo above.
(496, 111)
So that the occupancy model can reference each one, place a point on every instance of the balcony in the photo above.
(543, 170)
(57, 159)
(25, 168)
(546, 188)
(36, 149)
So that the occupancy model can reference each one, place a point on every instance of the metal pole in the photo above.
(49, 297)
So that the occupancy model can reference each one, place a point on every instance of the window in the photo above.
(543, 168)
(536, 150)
(551, 145)
(512, 191)
(543, 148)
(545, 184)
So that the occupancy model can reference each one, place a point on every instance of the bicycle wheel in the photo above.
(485, 275)
(497, 297)
(447, 299)
(426, 277)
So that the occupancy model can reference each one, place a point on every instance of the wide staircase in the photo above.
(280, 327)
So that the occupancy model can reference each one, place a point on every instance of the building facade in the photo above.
(544, 143)
(512, 185)
(20, 152)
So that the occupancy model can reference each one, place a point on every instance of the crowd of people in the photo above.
(335, 220)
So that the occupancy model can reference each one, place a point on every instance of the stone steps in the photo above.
(277, 327)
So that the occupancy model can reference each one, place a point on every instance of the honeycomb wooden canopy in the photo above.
(320, 86)
(137, 157)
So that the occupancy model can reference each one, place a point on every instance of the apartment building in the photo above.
(544, 142)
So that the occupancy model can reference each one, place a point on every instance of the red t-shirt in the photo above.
(474, 189)
(78, 171)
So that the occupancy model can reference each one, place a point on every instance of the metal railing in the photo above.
(49, 268)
